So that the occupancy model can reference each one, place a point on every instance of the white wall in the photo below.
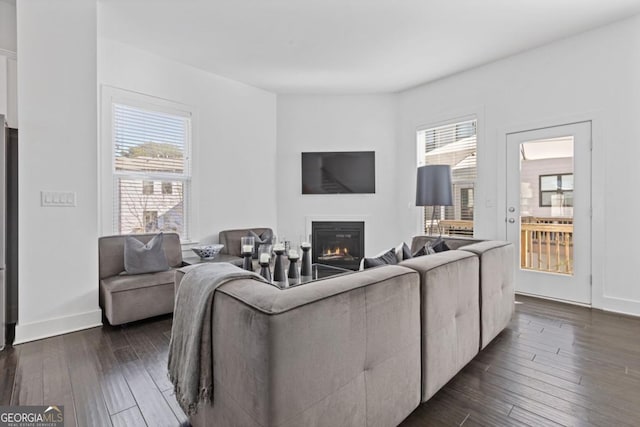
(8, 33)
(58, 151)
(591, 76)
(234, 137)
(337, 123)
(8, 63)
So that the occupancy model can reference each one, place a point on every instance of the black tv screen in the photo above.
(341, 172)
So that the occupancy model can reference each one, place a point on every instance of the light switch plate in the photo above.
(63, 199)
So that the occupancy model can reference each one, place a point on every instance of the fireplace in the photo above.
(340, 244)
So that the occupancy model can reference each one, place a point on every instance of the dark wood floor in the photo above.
(555, 365)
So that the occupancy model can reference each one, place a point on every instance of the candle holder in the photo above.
(247, 244)
(294, 274)
(264, 259)
(265, 271)
(305, 267)
(279, 274)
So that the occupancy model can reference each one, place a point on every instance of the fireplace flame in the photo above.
(336, 252)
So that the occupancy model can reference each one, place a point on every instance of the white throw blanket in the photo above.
(190, 349)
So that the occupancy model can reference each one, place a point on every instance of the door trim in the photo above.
(598, 217)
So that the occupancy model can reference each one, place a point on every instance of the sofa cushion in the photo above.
(140, 258)
(128, 282)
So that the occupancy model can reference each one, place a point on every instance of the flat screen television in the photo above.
(339, 172)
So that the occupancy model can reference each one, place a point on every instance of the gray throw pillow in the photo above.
(406, 252)
(140, 258)
(386, 258)
(427, 249)
(440, 246)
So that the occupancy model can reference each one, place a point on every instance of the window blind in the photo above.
(455, 145)
(151, 169)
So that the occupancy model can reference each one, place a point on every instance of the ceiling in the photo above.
(547, 148)
(347, 46)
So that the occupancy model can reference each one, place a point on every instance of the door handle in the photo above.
(511, 220)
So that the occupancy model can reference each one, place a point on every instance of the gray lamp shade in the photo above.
(433, 187)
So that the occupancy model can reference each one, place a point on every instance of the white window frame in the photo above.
(476, 114)
(109, 208)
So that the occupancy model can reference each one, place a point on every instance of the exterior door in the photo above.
(548, 215)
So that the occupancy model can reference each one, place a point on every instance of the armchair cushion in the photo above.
(140, 258)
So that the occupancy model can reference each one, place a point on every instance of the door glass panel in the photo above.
(546, 205)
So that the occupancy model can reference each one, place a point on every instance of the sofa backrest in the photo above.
(337, 341)
(452, 242)
(111, 252)
(231, 239)
(497, 288)
(449, 296)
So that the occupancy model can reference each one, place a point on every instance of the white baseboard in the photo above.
(621, 306)
(609, 304)
(553, 299)
(57, 326)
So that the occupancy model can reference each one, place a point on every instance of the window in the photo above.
(556, 190)
(167, 188)
(147, 188)
(454, 144)
(151, 170)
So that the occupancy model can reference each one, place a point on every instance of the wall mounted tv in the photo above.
(339, 172)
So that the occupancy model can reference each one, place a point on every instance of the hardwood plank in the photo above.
(56, 380)
(125, 354)
(170, 397)
(90, 406)
(128, 418)
(531, 419)
(481, 409)
(28, 385)
(155, 361)
(8, 365)
(517, 395)
(115, 389)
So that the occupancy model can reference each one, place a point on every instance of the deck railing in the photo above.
(546, 243)
(451, 227)
(546, 247)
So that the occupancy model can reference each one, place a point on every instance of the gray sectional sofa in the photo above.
(357, 349)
